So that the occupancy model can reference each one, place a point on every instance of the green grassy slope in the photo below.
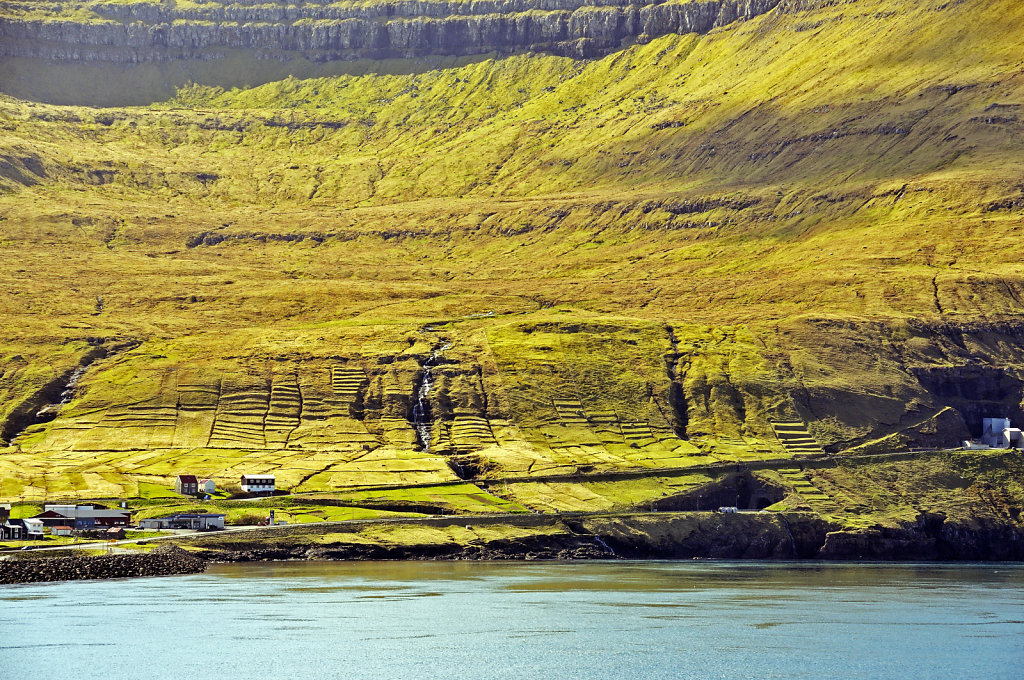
(810, 216)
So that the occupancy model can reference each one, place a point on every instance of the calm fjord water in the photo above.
(523, 620)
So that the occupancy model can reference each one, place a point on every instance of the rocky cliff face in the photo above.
(157, 32)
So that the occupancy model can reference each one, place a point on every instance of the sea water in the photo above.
(472, 620)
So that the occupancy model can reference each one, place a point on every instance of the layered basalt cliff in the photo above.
(140, 32)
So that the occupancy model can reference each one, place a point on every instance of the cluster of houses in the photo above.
(190, 485)
(63, 520)
(18, 529)
(996, 433)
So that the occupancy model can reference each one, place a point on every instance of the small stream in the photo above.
(49, 411)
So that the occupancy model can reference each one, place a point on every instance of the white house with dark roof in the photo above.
(259, 484)
(27, 528)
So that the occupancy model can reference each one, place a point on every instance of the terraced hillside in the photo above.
(681, 253)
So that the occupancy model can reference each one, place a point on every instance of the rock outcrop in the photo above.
(930, 537)
(138, 32)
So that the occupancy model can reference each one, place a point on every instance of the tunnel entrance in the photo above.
(743, 490)
(976, 392)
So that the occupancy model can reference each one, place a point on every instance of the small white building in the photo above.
(61, 531)
(263, 484)
(207, 486)
(33, 528)
(998, 433)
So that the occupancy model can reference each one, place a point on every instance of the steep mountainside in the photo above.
(780, 236)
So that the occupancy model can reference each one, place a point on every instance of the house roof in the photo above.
(63, 526)
(188, 479)
(258, 477)
(105, 513)
(82, 513)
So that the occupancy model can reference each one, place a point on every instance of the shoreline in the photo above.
(762, 537)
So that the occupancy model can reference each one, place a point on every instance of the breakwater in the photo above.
(162, 561)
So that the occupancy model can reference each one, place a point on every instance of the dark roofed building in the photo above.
(187, 485)
(11, 531)
(261, 485)
(83, 517)
(30, 528)
(200, 522)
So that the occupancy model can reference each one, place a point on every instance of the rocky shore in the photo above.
(162, 561)
(766, 536)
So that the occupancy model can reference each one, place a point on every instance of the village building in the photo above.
(5, 512)
(1000, 434)
(259, 484)
(29, 529)
(996, 433)
(9, 531)
(83, 516)
(207, 486)
(53, 519)
(61, 531)
(198, 522)
(187, 485)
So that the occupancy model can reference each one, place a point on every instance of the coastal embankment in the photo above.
(579, 536)
(162, 561)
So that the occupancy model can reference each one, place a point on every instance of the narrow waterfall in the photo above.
(421, 416)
